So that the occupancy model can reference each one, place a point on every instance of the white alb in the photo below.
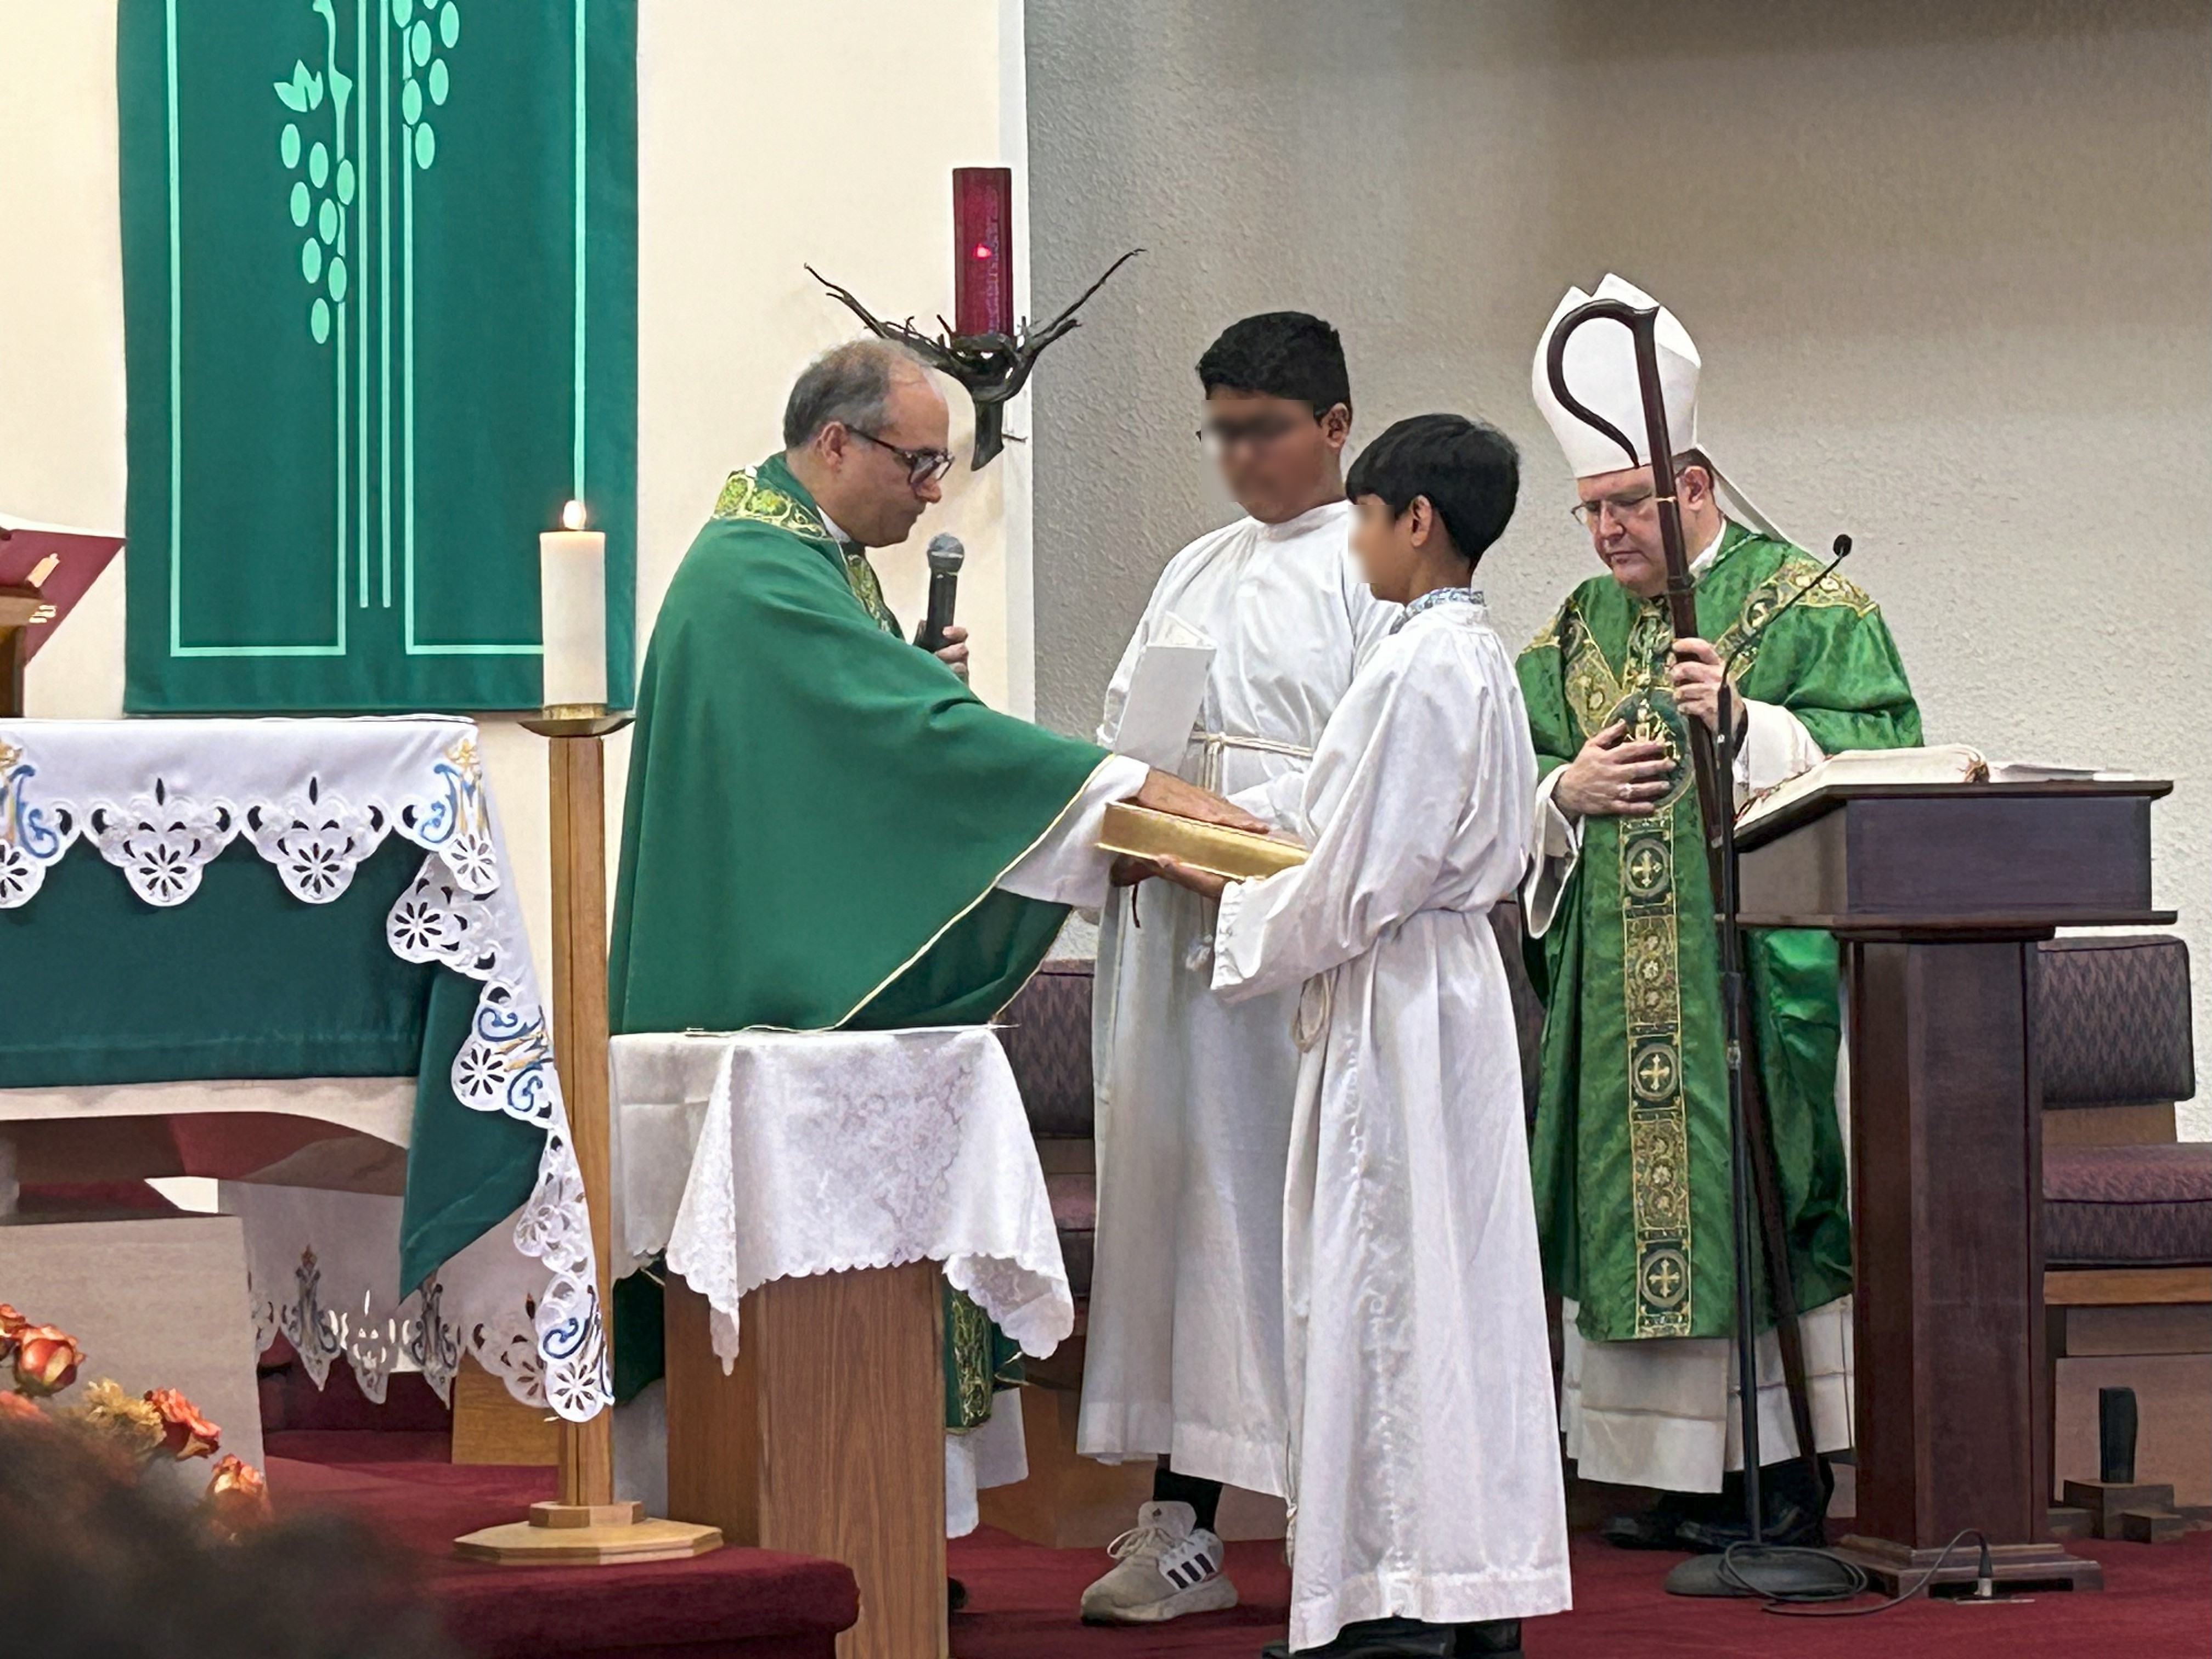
(1425, 1466)
(1185, 1352)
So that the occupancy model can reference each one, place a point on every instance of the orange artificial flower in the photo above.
(46, 1359)
(10, 1321)
(237, 1496)
(185, 1433)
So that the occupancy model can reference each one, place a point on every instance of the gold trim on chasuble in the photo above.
(1658, 1120)
(1779, 589)
(1652, 980)
(968, 1349)
(745, 496)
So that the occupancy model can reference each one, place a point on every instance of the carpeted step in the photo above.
(732, 1604)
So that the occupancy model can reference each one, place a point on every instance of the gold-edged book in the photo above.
(1142, 833)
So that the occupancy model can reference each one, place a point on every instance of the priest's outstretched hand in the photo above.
(1164, 791)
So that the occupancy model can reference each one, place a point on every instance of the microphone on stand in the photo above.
(946, 555)
(1841, 548)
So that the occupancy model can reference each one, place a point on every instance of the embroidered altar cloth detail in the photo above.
(159, 799)
(764, 1155)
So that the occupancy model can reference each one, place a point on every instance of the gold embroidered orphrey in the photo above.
(1658, 1118)
(1650, 946)
(745, 496)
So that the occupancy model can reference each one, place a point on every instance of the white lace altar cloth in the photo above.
(314, 798)
(767, 1154)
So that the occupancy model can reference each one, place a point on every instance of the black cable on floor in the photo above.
(1793, 1604)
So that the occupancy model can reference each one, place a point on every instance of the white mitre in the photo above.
(1601, 370)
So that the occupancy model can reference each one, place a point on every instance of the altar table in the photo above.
(286, 953)
(807, 1188)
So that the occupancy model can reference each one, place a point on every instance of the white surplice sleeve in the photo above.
(1775, 748)
(1379, 794)
(1068, 867)
(1558, 849)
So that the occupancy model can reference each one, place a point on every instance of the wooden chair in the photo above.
(2127, 1215)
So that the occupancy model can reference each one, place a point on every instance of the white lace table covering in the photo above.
(159, 799)
(774, 1155)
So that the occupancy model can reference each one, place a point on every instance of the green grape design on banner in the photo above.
(342, 512)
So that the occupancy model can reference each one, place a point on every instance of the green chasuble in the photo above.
(818, 817)
(1630, 1152)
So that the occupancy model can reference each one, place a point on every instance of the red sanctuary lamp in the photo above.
(983, 240)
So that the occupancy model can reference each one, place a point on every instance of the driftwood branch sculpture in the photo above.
(994, 367)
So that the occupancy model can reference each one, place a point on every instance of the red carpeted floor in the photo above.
(758, 1604)
(2157, 1604)
(732, 1604)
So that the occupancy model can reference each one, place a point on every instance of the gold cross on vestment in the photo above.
(1654, 1071)
(1665, 1278)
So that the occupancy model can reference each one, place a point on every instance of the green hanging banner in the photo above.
(380, 264)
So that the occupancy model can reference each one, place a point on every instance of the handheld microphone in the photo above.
(946, 555)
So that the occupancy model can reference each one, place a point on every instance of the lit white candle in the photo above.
(573, 578)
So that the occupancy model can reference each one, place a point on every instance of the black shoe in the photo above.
(1659, 1526)
(956, 1595)
(1654, 1530)
(1797, 1506)
(1488, 1638)
(1381, 1638)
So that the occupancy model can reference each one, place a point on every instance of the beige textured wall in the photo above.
(1950, 268)
(841, 155)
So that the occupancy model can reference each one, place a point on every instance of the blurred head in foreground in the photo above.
(94, 1564)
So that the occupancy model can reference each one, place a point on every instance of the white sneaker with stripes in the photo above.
(1164, 1566)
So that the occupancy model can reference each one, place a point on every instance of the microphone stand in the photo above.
(1725, 1574)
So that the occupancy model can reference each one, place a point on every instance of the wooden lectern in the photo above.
(828, 1437)
(20, 608)
(1939, 894)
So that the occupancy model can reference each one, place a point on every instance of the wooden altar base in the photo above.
(1895, 1568)
(578, 1535)
(826, 1439)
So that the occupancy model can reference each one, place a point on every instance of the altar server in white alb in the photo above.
(1184, 1358)
(1428, 1516)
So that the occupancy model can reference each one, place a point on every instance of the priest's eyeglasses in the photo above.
(922, 466)
(1623, 507)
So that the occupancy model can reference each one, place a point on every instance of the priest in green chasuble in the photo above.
(824, 828)
(1631, 1146)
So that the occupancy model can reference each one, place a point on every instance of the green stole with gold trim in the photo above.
(818, 817)
(1630, 1155)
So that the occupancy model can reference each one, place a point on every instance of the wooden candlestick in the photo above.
(584, 1526)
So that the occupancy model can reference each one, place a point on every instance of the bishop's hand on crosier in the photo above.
(1696, 678)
